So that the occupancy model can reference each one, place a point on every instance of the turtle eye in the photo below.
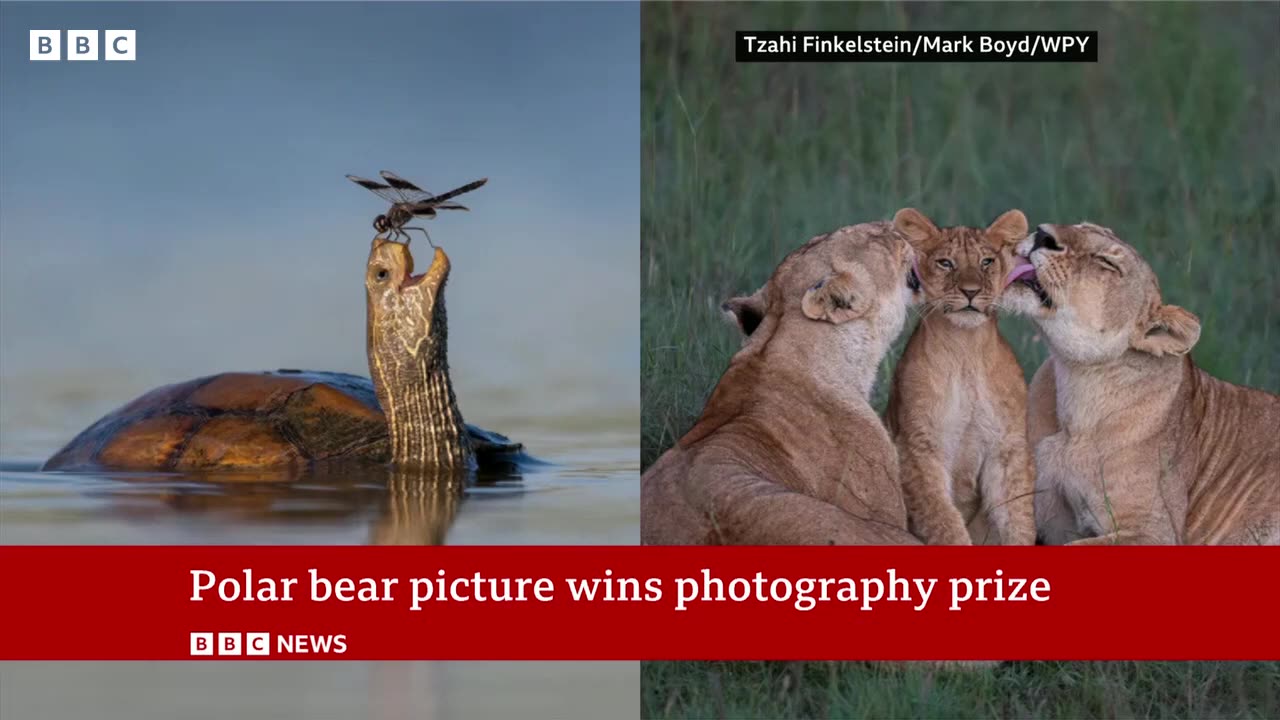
(986, 262)
(382, 275)
(946, 264)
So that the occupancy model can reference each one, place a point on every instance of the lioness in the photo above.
(958, 407)
(788, 450)
(1132, 442)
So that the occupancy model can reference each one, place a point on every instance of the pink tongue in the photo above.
(1023, 269)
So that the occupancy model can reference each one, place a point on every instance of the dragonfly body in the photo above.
(408, 201)
(397, 217)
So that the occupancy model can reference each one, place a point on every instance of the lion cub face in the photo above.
(962, 269)
(1094, 296)
(857, 277)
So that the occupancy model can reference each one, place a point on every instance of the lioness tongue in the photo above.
(1023, 269)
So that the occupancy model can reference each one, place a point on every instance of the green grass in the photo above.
(1170, 139)
(1198, 690)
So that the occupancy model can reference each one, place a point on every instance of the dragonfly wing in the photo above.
(386, 192)
(408, 191)
(424, 208)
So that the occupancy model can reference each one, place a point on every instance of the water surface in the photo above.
(581, 487)
(585, 490)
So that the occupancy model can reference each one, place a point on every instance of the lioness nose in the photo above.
(970, 291)
(1044, 239)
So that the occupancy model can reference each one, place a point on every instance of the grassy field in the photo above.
(1019, 690)
(1170, 139)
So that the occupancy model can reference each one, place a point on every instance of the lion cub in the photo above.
(957, 409)
(788, 450)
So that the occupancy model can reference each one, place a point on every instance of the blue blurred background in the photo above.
(187, 213)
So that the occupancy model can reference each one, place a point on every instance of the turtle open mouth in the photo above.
(1025, 274)
(436, 273)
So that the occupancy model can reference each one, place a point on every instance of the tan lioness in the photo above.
(1132, 442)
(788, 450)
(958, 407)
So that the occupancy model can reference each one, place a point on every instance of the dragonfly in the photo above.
(408, 201)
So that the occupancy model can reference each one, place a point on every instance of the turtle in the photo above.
(406, 415)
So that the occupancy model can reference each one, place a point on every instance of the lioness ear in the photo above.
(1009, 228)
(916, 228)
(746, 311)
(1169, 331)
(839, 297)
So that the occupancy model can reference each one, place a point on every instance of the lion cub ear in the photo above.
(1169, 331)
(746, 311)
(1009, 228)
(839, 297)
(916, 228)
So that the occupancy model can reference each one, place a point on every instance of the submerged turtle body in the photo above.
(251, 420)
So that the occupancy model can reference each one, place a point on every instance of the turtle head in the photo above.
(408, 357)
(405, 310)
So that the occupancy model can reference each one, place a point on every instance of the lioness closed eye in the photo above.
(788, 450)
(957, 410)
(1132, 442)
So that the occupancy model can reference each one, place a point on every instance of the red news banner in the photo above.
(638, 603)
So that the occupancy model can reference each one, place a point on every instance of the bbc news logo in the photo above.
(83, 45)
(235, 644)
(230, 643)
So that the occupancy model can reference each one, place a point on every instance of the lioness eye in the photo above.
(986, 262)
(1108, 264)
(946, 264)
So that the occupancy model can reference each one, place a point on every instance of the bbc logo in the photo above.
(230, 644)
(83, 45)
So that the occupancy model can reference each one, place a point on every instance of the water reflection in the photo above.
(402, 506)
(418, 509)
(419, 506)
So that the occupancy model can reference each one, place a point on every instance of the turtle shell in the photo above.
(249, 420)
